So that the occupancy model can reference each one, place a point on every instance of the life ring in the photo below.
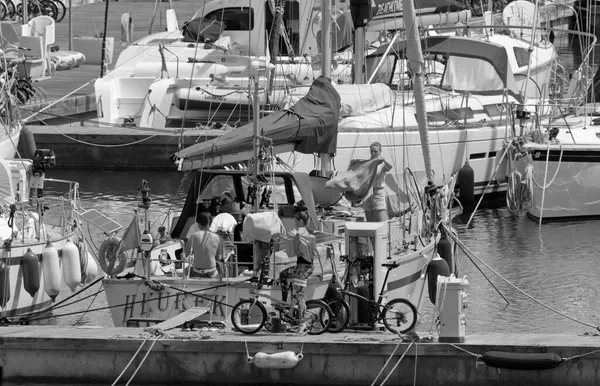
(107, 255)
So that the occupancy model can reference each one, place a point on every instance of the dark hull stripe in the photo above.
(578, 156)
(403, 282)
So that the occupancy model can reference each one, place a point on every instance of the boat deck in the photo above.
(94, 355)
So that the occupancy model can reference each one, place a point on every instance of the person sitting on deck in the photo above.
(206, 246)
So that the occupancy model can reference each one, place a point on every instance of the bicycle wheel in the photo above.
(318, 315)
(62, 10)
(48, 8)
(399, 316)
(248, 316)
(341, 315)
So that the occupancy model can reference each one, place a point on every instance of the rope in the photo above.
(467, 251)
(143, 359)
(92, 302)
(130, 361)
(396, 365)
(386, 363)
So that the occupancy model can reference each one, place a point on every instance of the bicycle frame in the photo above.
(377, 315)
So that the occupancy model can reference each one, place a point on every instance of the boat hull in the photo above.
(135, 300)
(572, 179)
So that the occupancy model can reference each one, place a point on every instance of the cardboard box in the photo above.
(91, 48)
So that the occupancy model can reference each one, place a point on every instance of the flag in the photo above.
(131, 237)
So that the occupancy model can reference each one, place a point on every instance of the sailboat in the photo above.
(146, 293)
(552, 163)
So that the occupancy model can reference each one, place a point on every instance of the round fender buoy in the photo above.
(521, 361)
(437, 267)
(31, 272)
(111, 263)
(280, 360)
(466, 184)
(444, 249)
(71, 265)
(51, 271)
(4, 284)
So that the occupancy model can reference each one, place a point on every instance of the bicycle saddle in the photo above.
(390, 265)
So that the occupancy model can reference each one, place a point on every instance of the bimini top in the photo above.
(467, 52)
(309, 126)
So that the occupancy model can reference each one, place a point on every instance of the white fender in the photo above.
(51, 270)
(71, 266)
(91, 270)
(280, 360)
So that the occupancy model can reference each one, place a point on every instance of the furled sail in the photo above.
(374, 12)
(309, 126)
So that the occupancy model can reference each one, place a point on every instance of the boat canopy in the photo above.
(472, 65)
(309, 126)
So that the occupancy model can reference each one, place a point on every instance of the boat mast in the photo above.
(414, 54)
(326, 57)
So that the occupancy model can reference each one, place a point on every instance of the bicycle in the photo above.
(399, 316)
(249, 316)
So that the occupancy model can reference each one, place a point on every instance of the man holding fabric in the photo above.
(374, 205)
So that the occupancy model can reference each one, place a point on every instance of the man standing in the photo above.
(206, 246)
(374, 205)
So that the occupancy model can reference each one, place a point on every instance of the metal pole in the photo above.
(70, 25)
(104, 41)
(326, 57)
(326, 38)
(415, 58)
(25, 15)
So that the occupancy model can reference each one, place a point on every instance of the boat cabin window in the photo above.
(291, 23)
(482, 75)
(385, 72)
(522, 56)
(235, 19)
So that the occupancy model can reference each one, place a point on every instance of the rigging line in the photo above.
(58, 100)
(112, 125)
(50, 308)
(467, 250)
(99, 145)
(92, 302)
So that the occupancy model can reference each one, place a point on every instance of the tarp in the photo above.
(311, 125)
(357, 180)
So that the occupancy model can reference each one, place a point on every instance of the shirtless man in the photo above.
(206, 246)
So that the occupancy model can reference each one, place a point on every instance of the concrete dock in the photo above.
(58, 354)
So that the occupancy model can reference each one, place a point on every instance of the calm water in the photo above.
(557, 264)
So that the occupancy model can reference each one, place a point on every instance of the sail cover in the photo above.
(363, 11)
(309, 126)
